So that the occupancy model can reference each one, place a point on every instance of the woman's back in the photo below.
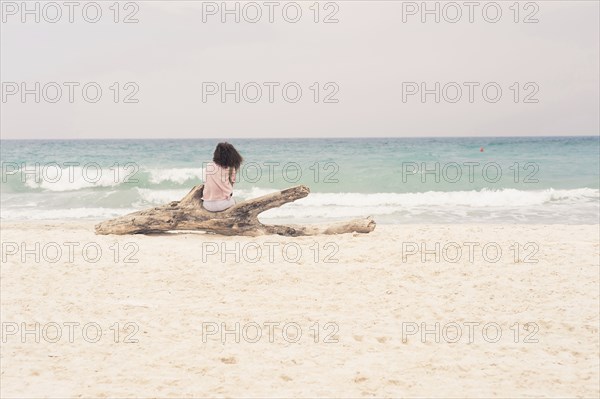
(219, 176)
(218, 182)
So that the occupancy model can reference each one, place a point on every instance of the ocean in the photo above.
(539, 180)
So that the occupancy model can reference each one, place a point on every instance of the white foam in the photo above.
(574, 205)
(52, 178)
(457, 203)
(483, 198)
(175, 175)
(159, 197)
(64, 214)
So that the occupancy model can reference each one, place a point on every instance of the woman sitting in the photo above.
(219, 177)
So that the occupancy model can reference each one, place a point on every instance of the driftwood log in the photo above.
(240, 219)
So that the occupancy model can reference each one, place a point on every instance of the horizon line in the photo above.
(299, 137)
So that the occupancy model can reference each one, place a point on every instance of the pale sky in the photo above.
(370, 58)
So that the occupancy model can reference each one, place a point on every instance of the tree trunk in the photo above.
(241, 219)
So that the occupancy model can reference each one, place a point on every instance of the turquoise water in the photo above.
(396, 180)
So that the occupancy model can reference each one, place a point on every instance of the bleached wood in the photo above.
(241, 219)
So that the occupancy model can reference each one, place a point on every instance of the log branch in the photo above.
(240, 219)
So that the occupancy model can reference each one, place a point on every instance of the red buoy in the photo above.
(481, 149)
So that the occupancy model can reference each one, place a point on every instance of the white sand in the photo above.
(368, 294)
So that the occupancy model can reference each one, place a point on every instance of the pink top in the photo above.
(217, 186)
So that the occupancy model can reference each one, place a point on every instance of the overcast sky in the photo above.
(370, 63)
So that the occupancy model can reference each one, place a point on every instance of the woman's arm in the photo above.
(232, 175)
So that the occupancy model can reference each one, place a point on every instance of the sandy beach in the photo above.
(449, 152)
(177, 315)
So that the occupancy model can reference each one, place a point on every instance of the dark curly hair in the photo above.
(227, 156)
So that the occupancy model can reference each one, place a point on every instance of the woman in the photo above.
(219, 178)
